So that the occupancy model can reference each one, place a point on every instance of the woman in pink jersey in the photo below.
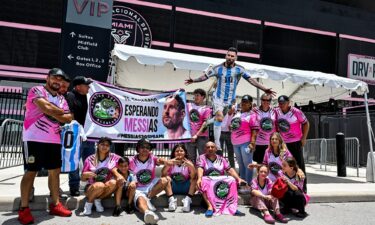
(262, 199)
(243, 125)
(274, 156)
(182, 175)
(293, 127)
(294, 198)
(266, 124)
(97, 171)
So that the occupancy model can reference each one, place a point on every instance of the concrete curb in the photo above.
(73, 203)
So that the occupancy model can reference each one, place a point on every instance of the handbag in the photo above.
(279, 188)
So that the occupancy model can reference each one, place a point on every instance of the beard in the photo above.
(170, 123)
(229, 62)
(54, 86)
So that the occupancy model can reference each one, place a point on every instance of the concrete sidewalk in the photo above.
(323, 186)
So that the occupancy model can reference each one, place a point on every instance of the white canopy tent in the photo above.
(158, 70)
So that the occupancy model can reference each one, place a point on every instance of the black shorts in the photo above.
(40, 155)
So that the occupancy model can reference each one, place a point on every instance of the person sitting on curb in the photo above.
(182, 175)
(98, 170)
(261, 197)
(274, 156)
(143, 165)
(294, 198)
(212, 167)
(126, 188)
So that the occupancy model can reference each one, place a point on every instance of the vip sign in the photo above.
(96, 13)
(129, 27)
(361, 67)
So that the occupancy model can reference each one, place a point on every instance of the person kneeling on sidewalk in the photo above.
(98, 170)
(182, 175)
(143, 166)
(125, 188)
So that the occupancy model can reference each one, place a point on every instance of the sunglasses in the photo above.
(266, 100)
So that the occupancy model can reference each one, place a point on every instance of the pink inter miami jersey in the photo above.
(241, 125)
(179, 173)
(266, 125)
(299, 184)
(266, 189)
(290, 124)
(274, 163)
(222, 193)
(144, 171)
(198, 114)
(213, 168)
(100, 168)
(38, 126)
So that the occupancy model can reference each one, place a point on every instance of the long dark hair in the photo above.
(292, 163)
(179, 146)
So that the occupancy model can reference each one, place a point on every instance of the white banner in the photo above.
(127, 116)
(361, 67)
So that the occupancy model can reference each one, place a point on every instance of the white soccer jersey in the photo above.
(72, 135)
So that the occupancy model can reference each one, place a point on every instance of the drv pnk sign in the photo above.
(361, 67)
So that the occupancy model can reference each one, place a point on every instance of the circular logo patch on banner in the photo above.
(284, 125)
(194, 115)
(105, 109)
(130, 28)
(144, 176)
(266, 124)
(221, 189)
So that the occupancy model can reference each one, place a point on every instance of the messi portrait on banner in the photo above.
(128, 116)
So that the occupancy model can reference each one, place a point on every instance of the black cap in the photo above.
(283, 98)
(59, 72)
(247, 98)
(81, 80)
(143, 142)
(104, 139)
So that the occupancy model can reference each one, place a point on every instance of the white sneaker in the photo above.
(150, 205)
(87, 209)
(172, 206)
(186, 204)
(150, 217)
(98, 205)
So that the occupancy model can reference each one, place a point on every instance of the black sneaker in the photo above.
(129, 209)
(117, 211)
(74, 192)
(301, 214)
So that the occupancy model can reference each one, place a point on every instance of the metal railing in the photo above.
(11, 143)
(323, 151)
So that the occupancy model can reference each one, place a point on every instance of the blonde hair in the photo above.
(97, 154)
(282, 146)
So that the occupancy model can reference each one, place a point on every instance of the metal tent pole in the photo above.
(370, 139)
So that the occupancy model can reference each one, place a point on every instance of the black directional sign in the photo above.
(85, 38)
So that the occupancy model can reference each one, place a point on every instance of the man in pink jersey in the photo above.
(198, 113)
(45, 110)
(143, 166)
(293, 127)
(210, 165)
